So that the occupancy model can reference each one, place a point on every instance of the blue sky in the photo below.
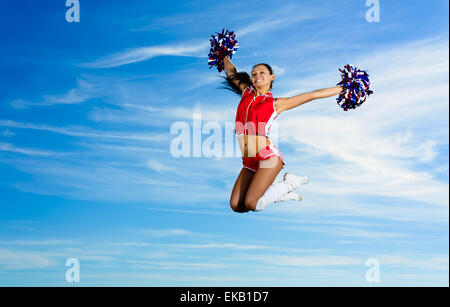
(86, 170)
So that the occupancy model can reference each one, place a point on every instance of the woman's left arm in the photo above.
(284, 104)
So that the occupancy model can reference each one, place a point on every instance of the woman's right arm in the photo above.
(230, 70)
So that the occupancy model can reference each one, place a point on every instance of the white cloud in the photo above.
(162, 117)
(134, 55)
(309, 261)
(347, 232)
(277, 70)
(199, 246)
(31, 152)
(83, 131)
(159, 166)
(167, 232)
(20, 260)
(7, 133)
(378, 148)
(199, 47)
(87, 88)
(433, 262)
(195, 211)
(220, 246)
(179, 265)
(46, 242)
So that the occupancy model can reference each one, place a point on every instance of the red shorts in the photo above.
(269, 151)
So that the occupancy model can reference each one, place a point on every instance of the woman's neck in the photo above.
(260, 91)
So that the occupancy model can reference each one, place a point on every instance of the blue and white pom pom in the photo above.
(356, 86)
(222, 45)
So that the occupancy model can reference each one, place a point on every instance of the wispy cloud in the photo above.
(348, 232)
(159, 166)
(179, 265)
(31, 152)
(135, 55)
(434, 262)
(159, 116)
(233, 246)
(198, 47)
(378, 147)
(20, 260)
(160, 233)
(82, 131)
(309, 261)
(85, 90)
(45, 242)
(194, 211)
(271, 24)
(7, 133)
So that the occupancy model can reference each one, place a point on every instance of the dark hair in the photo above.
(242, 78)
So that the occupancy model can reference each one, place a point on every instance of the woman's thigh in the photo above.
(237, 199)
(265, 175)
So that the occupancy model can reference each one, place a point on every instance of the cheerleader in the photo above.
(254, 188)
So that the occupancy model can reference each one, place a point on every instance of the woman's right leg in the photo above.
(237, 199)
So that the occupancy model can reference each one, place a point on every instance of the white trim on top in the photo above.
(271, 119)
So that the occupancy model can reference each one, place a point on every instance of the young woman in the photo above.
(262, 161)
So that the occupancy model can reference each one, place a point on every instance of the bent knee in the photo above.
(250, 203)
(238, 207)
(234, 204)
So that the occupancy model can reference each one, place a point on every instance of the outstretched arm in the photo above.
(283, 104)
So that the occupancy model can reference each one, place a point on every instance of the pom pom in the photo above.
(222, 45)
(356, 87)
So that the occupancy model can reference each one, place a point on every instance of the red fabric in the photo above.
(266, 153)
(259, 111)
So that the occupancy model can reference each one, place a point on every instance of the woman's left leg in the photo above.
(237, 199)
(265, 175)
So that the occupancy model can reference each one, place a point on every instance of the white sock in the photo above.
(289, 196)
(272, 194)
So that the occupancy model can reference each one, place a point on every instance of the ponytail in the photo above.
(241, 77)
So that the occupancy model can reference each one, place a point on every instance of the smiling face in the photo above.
(261, 77)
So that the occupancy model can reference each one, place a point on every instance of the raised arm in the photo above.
(230, 70)
(284, 104)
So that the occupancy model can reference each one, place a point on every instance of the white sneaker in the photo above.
(295, 181)
(289, 196)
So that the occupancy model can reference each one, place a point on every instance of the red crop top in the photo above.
(255, 114)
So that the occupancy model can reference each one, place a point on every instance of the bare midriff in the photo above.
(252, 144)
